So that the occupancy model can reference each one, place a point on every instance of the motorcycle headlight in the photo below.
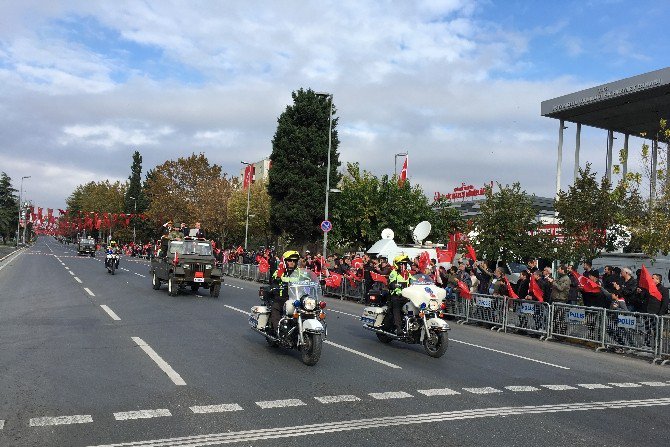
(432, 305)
(208, 267)
(186, 266)
(309, 304)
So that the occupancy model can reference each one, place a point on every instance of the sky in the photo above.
(456, 83)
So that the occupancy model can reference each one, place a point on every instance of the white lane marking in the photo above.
(61, 420)
(521, 388)
(201, 409)
(593, 386)
(510, 354)
(125, 270)
(362, 354)
(559, 387)
(10, 260)
(344, 313)
(138, 274)
(281, 432)
(484, 390)
(67, 268)
(110, 312)
(626, 385)
(88, 290)
(77, 279)
(162, 364)
(655, 383)
(336, 399)
(237, 310)
(71, 272)
(438, 392)
(390, 395)
(142, 414)
(2, 424)
(230, 285)
(280, 403)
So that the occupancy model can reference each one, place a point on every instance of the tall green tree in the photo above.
(135, 200)
(508, 228)
(299, 157)
(9, 204)
(259, 216)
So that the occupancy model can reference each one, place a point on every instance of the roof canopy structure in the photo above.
(631, 106)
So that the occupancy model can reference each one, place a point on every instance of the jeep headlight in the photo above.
(208, 267)
(309, 304)
(186, 266)
(432, 305)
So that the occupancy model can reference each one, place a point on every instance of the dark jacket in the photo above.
(573, 294)
(629, 293)
(522, 288)
(655, 306)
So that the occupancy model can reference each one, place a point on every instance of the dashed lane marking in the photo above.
(110, 312)
(67, 268)
(138, 274)
(336, 399)
(344, 313)
(626, 385)
(235, 287)
(510, 354)
(61, 420)
(280, 403)
(438, 392)
(202, 409)
(88, 290)
(78, 280)
(162, 364)
(517, 388)
(655, 383)
(142, 414)
(269, 433)
(484, 390)
(593, 386)
(237, 310)
(390, 395)
(71, 272)
(2, 424)
(559, 387)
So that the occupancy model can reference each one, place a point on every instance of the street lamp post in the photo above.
(134, 218)
(18, 223)
(395, 161)
(246, 226)
(330, 136)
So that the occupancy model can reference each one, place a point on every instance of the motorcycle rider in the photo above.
(398, 280)
(112, 249)
(283, 279)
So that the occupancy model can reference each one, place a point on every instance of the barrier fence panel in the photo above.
(237, 270)
(664, 339)
(354, 289)
(527, 315)
(457, 306)
(579, 322)
(486, 309)
(631, 330)
(335, 291)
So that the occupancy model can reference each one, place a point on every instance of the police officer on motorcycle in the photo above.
(282, 279)
(398, 280)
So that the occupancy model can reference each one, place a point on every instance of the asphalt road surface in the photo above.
(91, 359)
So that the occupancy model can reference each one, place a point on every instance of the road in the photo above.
(91, 359)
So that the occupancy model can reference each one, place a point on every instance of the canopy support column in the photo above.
(624, 162)
(578, 141)
(608, 159)
(560, 157)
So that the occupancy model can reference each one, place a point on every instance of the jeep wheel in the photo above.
(214, 290)
(155, 282)
(172, 286)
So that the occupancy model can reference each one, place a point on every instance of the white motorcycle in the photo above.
(302, 326)
(112, 262)
(423, 317)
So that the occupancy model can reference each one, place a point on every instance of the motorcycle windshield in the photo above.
(304, 282)
(421, 279)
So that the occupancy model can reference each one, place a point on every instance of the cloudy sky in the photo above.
(457, 83)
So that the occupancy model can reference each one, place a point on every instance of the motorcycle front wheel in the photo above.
(436, 345)
(311, 350)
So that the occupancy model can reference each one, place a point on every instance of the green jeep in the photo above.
(186, 262)
(86, 247)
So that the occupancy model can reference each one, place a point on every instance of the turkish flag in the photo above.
(357, 263)
(510, 290)
(263, 265)
(471, 253)
(403, 172)
(281, 268)
(585, 283)
(464, 290)
(376, 277)
(333, 280)
(424, 261)
(536, 290)
(249, 173)
(444, 256)
(647, 283)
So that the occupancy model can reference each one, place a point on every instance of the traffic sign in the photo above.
(326, 226)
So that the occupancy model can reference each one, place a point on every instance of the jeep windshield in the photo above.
(190, 248)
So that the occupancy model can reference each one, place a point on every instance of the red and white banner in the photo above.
(403, 172)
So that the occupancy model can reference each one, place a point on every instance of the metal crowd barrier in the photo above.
(664, 340)
(578, 322)
(486, 309)
(529, 316)
(457, 306)
(631, 330)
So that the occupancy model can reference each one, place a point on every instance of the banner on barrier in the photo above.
(627, 322)
(527, 308)
(576, 315)
(483, 302)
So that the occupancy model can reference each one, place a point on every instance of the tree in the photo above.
(259, 215)
(508, 228)
(188, 190)
(9, 205)
(587, 213)
(368, 204)
(97, 197)
(299, 163)
(447, 220)
(135, 199)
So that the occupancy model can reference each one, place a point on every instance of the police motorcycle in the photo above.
(423, 317)
(112, 259)
(302, 326)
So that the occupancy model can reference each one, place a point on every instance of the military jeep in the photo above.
(86, 247)
(186, 262)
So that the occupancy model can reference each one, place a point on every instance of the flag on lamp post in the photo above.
(403, 172)
(249, 172)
